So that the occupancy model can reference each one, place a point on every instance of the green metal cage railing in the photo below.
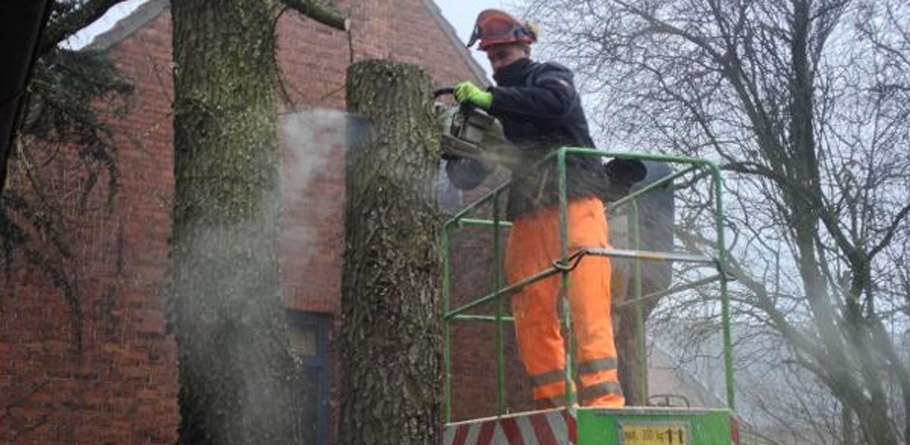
(564, 265)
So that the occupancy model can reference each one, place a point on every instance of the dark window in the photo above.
(309, 341)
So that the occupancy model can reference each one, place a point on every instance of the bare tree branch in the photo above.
(892, 230)
(327, 15)
(64, 24)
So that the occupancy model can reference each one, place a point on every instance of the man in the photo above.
(540, 110)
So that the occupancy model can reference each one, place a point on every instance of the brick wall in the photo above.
(120, 386)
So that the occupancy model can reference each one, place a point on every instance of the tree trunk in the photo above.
(634, 387)
(656, 235)
(238, 381)
(391, 331)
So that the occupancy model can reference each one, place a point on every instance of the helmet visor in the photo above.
(496, 28)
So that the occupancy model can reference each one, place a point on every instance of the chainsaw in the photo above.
(469, 132)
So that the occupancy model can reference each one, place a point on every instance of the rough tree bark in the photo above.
(238, 380)
(391, 331)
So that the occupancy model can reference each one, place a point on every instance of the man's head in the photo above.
(504, 38)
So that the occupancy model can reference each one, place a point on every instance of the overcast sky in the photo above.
(460, 13)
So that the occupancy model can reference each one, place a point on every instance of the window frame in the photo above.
(321, 324)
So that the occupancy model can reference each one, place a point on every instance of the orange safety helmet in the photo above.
(495, 27)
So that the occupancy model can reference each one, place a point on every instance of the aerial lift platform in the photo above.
(630, 425)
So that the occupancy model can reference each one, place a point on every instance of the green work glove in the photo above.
(468, 92)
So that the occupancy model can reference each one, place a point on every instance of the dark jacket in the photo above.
(540, 110)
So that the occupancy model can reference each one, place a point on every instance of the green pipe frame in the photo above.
(563, 266)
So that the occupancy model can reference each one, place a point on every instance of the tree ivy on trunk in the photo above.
(392, 330)
(238, 380)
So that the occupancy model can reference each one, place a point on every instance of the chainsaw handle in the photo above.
(466, 107)
(443, 92)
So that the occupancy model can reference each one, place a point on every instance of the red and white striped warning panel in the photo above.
(550, 427)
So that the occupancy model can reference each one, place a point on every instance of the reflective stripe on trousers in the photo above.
(533, 246)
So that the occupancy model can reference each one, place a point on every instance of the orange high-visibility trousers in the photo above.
(533, 246)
